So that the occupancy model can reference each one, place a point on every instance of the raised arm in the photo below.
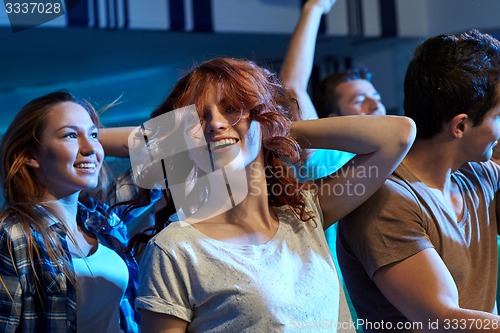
(423, 290)
(380, 143)
(299, 59)
(114, 140)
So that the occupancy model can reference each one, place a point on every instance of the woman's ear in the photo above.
(32, 162)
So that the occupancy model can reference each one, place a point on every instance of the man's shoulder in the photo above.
(397, 184)
(480, 168)
(399, 190)
(481, 173)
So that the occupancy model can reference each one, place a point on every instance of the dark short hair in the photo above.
(326, 98)
(449, 75)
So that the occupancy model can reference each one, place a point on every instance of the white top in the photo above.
(102, 279)
(286, 284)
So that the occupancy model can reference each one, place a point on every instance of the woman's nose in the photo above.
(215, 120)
(88, 146)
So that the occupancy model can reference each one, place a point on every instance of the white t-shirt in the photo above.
(102, 279)
(284, 285)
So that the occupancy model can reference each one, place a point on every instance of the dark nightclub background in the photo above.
(136, 49)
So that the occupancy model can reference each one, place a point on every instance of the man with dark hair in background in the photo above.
(421, 253)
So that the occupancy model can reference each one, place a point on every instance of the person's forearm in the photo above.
(298, 62)
(114, 140)
(357, 134)
(422, 288)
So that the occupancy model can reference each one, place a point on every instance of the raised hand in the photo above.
(325, 5)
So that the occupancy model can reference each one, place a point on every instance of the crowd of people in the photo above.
(246, 178)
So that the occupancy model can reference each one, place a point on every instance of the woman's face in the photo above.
(71, 156)
(229, 135)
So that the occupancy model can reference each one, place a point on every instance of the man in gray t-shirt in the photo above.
(421, 253)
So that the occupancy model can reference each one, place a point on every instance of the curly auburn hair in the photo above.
(245, 86)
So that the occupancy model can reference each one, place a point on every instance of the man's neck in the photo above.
(432, 162)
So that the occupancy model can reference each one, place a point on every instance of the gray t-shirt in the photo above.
(405, 217)
(286, 284)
